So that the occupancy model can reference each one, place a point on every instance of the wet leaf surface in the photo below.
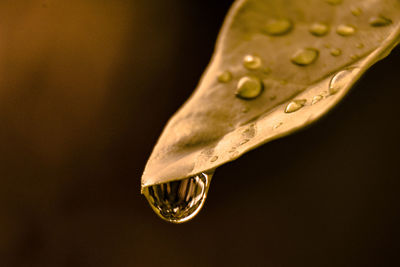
(302, 74)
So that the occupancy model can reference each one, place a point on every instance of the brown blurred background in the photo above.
(86, 88)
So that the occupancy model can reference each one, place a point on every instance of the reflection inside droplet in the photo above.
(179, 201)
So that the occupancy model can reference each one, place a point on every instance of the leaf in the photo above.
(279, 65)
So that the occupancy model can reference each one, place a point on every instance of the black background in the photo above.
(86, 89)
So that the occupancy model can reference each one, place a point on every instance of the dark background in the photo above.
(85, 90)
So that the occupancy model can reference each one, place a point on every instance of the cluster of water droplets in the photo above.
(251, 86)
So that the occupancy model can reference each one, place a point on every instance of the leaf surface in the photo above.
(306, 55)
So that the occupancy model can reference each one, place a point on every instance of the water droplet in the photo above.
(214, 159)
(295, 105)
(380, 21)
(356, 11)
(316, 99)
(336, 52)
(179, 201)
(319, 29)
(245, 109)
(266, 70)
(249, 87)
(250, 131)
(355, 57)
(334, 2)
(225, 77)
(339, 80)
(272, 98)
(244, 141)
(283, 82)
(276, 126)
(278, 27)
(235, 155)
(304, 57)
(251, 62)
(360, 45)
(345, 30)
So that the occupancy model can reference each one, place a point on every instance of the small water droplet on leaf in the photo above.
(345, 30)
(304, 57)
(266, 70)
(316, 99)
(276, 126)
(244, 141)
(214, 159)
(225, 77)
(339, 80)
(380, 21)
(319, 29)
(295, 105)
(249, 87)
(336, 52)
(356, 11)
(355, 57)
(278, 27)
(251, 62)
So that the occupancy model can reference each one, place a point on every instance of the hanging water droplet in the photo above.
(380, 21)
(251, 62)
(249, 87)
(356, 11)
(225, 77)
(295, 105)
(179, 201)
(345, 30)
(334, 2)
(304, 57)
(278, 27)
(339, 80)
(316, 99)
(319, 29)
(336, 52)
